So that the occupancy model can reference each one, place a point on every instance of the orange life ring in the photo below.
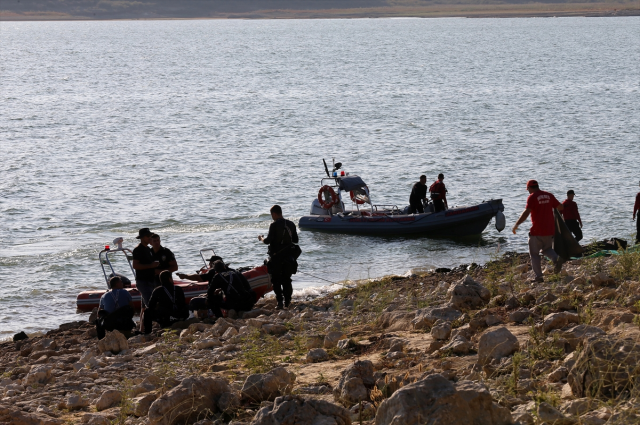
(328, 192)
(356, 200)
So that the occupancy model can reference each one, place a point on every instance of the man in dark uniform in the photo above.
(571, 215)
(167, 304)
(636, 207)
(439, 194)
(164, 256)
(418, 194)
(144, 265)
(229, 289)
(282, 235)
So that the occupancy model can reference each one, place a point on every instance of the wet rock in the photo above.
(436, 400)
(20, 336)
(317, 355)
(558, 320)
(194, 396)
(520, 315)
(606, 367)
(496, 344)
(458, 345)
(332, 338)
(426, 318)
(355, 383)
(295, 410)
(468, 294)
(114, 342)
(441, 330)
(268, 386)
(108, 399)
(39, 374)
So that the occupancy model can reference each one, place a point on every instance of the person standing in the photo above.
(282, 264)
(439, 194)
(572, 216)
(164, 256)
(540, 206)
(636, 208)
(418, 194)
(144, 265)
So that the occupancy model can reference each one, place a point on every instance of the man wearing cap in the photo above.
(439, 194)
(144, 265)
(418, 194)
(540, 206)
(636, 208)
(572, 216)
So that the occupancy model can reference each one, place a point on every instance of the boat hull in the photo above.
(258, 278)
(455, 222)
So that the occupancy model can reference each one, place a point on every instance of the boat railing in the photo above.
(382, 207)
(106, 261)
(210, 251)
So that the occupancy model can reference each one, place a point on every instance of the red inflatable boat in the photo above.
(86, 301)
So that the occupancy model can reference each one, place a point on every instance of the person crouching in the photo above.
(167, 304)
(229, 289)
(116, 310)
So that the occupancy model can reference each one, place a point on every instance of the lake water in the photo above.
(195, 128)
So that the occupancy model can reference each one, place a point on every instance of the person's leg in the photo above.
(438, 204)
(146, 289)
(148, 321)
(100, 329)
(287, 289)
(276, 281)
(534, 252)
(215, 303)
(637, 229)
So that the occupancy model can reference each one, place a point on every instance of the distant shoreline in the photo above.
(531, 10)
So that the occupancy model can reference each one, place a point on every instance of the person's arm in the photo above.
(139, 266)
(196, 277)
(270, 235)
(560, 207)
(523, 217)
(154, 299)
(294, 233)
(443, 194)
(636, 207)
(129, 298)
(579, 218)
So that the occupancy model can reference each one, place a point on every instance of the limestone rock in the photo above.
(229, 333)
(140, 405)
(39, 374)
(520, 315)
(578, 406)
(332, 338)
(436, 400)
(496, 344)
(605, 367)
(314, 341)
(268, 386)
(295, 410)
(108, 399)
(114, 342)
(396, 320)
(577, 334)
(559, 320)
(441, 330)
(355, 383)
(468, 294)
(317, 355)
(458, 345)
(15, 416)
(549, 414)
(75, 402)
(207, 343)
(221, 326)
(274, 329)
(193, 396)
(427, 317)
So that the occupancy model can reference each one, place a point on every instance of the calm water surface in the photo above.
(195, 128)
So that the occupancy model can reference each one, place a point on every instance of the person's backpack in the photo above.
(238, 287)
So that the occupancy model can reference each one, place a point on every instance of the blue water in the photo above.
(195, 128)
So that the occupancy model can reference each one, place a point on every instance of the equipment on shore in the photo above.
(329, 213)
(86, 301)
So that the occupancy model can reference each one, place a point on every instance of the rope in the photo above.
(317, 277)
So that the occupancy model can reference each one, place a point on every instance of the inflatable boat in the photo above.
(86, 301)
(329, 213)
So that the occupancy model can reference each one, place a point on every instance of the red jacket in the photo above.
(439, 188)
(570, 211)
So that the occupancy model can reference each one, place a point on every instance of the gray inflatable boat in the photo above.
(328, 213)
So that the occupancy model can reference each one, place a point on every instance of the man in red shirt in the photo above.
(572, 216)
(439, 194)
(540, 206)
(636, 207)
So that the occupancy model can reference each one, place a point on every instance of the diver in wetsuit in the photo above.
(418, 194)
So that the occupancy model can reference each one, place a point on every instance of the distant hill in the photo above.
(166, 9)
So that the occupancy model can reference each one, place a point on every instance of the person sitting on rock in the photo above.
(116, 309)
(167, 304)
(229, 289)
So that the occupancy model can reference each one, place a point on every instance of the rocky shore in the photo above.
(473, 345)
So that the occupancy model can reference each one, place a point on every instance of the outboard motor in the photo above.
(501, 221)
